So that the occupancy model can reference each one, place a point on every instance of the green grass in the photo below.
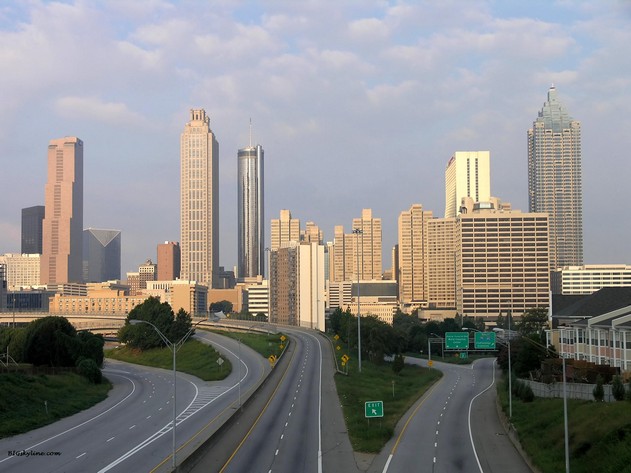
(599, 433)
(375, 384)
(263, 343)
(451, 358)
(22, 403)
(194, 357)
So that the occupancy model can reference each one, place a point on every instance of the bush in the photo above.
(398, 364)
(599, 391)
(617, 388)
(527, 394)
(88, 368)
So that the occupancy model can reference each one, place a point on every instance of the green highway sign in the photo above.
(457, 340)
(484, 340)
(374, 408)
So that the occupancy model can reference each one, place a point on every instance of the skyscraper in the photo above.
(284, 229)
(413, 255)
(468, 174)
(199, 200)
(62, 228)
(251, 247)
(32, 220)
(101, 255)
(555, 179)
(369, 241)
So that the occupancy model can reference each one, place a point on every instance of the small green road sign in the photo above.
(484, 340)
(374, 408)
(457, 340)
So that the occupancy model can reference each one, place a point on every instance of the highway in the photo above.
(285, 436)
(453, 428)
(131, 430)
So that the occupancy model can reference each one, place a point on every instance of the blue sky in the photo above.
(358, 104)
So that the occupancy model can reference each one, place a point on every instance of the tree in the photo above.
(181, 325)
(398, 364)
(143, 336)
(88, 369)
(533, 321)
(599, 390)
(617, 388)
(221, 306)
(49, 342)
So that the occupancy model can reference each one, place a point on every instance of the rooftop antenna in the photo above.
(250, 132)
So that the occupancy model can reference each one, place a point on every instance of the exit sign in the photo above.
(374, 408)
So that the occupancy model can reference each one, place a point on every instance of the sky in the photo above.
(357, 104)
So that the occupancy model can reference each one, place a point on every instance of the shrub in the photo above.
(88, 368)
(617, 388)
(599, 391)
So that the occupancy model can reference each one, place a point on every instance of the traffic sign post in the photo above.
(373, 409)
(484, 340)
(457, 341)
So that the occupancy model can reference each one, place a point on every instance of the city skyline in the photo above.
(359, 106)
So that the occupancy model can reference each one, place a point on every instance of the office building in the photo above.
(137, 281)
(297, 285)
(369, 241)
(502, 259)
(101, 255)
(413, 257)
(284, 229)
(21, 270)
(468, 174)
(589, 278)
(199, 200)
(312, 234)
(441, 263)
(555, 179)
(62, 228)
(250, 206)
(168, 261)
(32, 220)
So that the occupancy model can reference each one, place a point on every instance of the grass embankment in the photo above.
(28, 402)
(194, 357)
(454, 359)
(374, 383)
(263, 343)
(599, 433)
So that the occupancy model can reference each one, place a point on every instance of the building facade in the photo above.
(502, 260)
(62, 228)
(555, 179)
(251, 223)
(32, 220)
(468, 174)
(169, 259)
(589, 278)
(101, 255)
(413, 257)
(21, 270)
(199, 200)
(284, 229)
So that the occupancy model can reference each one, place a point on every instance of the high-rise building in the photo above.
(32, 220)
(137, 281)
(413, 255)
(168, 261)
(62, 228)
(502, 260)
(101, 255)
(468, 174)
(297, 285)
(251, 241)
(441, 262)
(284, 229)
(199, 200)
(555, 179)
(312, 233)
(21, 270)
(367, 234)
(589, 278)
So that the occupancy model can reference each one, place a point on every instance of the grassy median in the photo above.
(379, 383)
(28, 402)
(263, 343)
(194, 357)
(599, 433)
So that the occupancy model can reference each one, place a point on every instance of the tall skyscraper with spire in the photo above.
(251, 241)
(555, 179)
(199, 200)
(62, 228)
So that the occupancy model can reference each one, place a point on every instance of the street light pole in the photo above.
(357, 232)
(174, 347)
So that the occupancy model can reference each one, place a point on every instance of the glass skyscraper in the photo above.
(251, 245)
(32, 220)
(555, 179)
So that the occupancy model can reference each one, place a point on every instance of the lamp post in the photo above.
(174, 347)
(357, 232)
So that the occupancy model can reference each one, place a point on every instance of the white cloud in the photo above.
(94, 109)
(368, 29)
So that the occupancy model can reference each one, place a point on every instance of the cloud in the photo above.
(94, 109)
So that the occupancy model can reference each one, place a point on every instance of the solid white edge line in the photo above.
(475, 453)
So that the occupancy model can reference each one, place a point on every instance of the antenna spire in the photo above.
(250, 132)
